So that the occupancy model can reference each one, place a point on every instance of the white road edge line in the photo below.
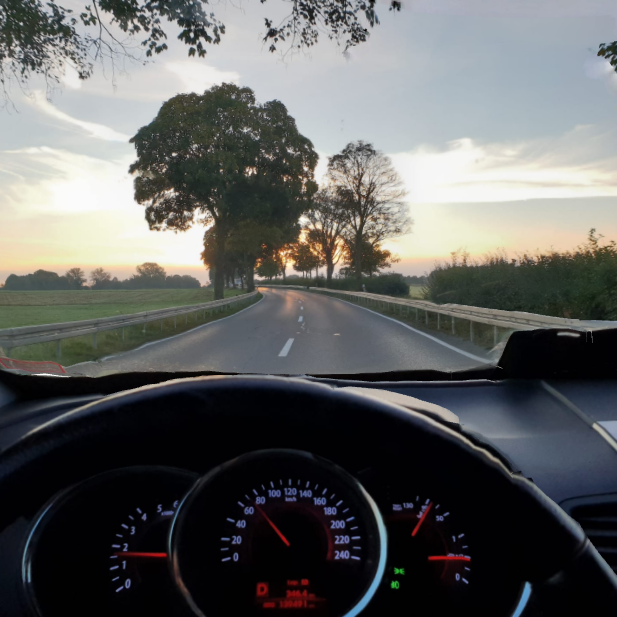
(286, 348)
(162, 340)
(300, 319)
(428, 336)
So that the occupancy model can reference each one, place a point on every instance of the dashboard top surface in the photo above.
(534, 430)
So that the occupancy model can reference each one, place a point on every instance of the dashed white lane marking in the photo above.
(300, 319)
(286, 348)
(301, 308)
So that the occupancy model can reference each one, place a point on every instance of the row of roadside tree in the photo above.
(244, 171)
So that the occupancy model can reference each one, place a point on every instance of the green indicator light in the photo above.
(395, 585)
(400, 571)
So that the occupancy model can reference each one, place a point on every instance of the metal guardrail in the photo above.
(30, 335)
(509, 320)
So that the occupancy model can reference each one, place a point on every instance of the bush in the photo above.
(579, 284)
(384, 284)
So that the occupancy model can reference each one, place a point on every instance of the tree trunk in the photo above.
(219, 272)
(250, 274)
(329, 272)
(358, 260)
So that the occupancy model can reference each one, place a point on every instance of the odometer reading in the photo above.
(258, 540)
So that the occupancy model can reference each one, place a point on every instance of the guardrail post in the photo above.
(122, 333)
(175, 322)
(58, 349)
(438, 320)
(471, 331)
(453, 327)
(416, 313)
(94, 341)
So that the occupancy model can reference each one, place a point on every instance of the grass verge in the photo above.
(33, 308)
(81, 348)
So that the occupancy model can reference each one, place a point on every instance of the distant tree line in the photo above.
(579, 284)
(148, 276)
(415, 280)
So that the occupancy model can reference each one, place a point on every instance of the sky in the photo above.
(497, 114)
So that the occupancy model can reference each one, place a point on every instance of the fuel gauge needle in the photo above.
(278, 531)
(417, 527)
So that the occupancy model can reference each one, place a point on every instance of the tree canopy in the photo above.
(43, 38)
(221, 159)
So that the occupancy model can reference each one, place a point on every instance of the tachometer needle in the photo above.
(143, 555)
(417, 527)
(448, 558)
(278, 531)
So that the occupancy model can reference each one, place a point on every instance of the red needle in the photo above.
(147, 555)
(278, 531)
(415, 531)
(448, 558)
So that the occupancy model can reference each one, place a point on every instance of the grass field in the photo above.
(32, 308)
(416, 292)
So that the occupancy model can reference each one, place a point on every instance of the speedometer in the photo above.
(278, 530)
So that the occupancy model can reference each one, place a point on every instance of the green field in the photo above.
(32, 308)
(416, 292)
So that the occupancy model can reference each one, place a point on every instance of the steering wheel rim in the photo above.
(549, 542)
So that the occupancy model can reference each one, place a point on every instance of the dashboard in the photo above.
(213, 504)
(270, 532)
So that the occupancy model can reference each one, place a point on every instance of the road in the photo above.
(294, 332)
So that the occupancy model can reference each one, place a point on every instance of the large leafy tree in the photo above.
(221, 159)
(371, 195)
(44, 37)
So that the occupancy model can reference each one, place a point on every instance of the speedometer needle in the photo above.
(417, 527)
(278, 531)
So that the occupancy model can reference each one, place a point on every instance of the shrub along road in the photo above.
(294, 332)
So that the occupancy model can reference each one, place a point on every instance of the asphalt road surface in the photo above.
(296, 332)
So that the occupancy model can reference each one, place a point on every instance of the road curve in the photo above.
(293, 332)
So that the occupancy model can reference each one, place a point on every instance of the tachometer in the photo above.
(278, 530)
(138, 546)
(99, 548)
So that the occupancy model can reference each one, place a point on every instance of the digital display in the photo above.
(293, 594)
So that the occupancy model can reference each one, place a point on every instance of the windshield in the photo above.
(315, 188)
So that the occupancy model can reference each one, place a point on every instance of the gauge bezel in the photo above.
(267, 455)
(62, 499)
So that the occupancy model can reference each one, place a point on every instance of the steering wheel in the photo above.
(192, 418)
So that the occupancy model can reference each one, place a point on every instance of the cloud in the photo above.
(580, 163)
(99, 131)
(47, 180)
(197, 77)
